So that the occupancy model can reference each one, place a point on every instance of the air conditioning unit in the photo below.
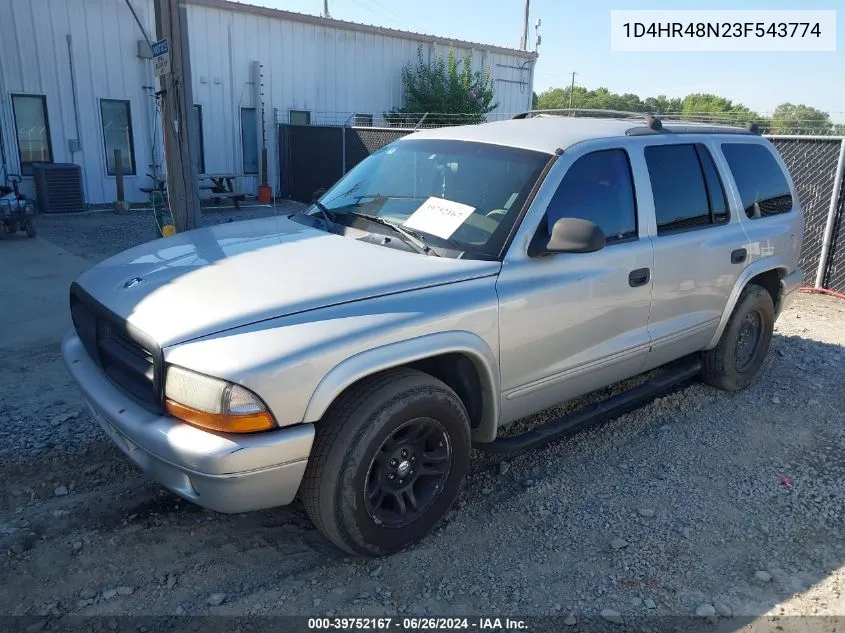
(58, 187)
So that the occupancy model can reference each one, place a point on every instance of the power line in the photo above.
(389, 15)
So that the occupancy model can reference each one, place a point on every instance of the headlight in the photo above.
(213, 403)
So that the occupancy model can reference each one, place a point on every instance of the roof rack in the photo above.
(655, 126)
(616, 114)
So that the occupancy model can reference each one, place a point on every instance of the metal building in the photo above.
(76, 81)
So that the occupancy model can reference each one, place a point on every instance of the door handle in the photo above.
(738, 256)
(639, 277)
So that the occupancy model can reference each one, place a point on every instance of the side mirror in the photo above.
(569, 235)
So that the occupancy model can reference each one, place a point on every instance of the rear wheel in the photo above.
(740, 353)
(387, 463)
(30, 229)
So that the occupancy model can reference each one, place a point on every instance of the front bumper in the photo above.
(789, 286)
(225, 472)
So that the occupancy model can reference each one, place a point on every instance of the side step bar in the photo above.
(672, 375)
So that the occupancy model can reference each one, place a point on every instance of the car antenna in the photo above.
(653, 123)
(752, 127)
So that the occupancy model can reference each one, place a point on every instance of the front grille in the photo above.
(129, 361)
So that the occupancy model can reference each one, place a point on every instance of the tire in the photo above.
(731, 365)
(350, 462)
(30, 229)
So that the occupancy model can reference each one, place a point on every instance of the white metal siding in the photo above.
(330, 70)
(34, 50)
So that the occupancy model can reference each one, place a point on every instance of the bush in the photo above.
(447, 88)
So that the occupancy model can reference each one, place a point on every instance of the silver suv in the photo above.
(453, 282)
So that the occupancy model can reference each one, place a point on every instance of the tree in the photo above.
(800, 119)
(603, 99)
(715, 109)
(447, 89)
(697, 107)
(703, 107)
(663, 105)
(600, 99)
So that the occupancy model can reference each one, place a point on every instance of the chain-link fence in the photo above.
(813, 163)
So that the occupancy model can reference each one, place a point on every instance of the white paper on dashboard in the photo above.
(439, 217)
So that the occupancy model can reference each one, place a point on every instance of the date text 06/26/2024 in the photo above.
(415, 624)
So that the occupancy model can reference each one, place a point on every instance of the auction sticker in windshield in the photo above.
(439, 217)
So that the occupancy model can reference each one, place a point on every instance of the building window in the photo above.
(199, 157)
(761, 183)
(117, 134)
(249, 140)
(300, 117)
(33, 131)
(363, 120)
(686, 188)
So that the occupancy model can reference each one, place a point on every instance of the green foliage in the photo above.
(603, 99)
(789, 117)
(695, 106)
(713, 108)
(447, 88)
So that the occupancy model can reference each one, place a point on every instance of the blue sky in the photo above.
(576, 38)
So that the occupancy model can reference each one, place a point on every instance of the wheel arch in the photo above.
(765, 273)
(461, 359)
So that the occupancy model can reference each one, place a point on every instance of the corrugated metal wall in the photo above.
(34, 50)
(328, 70)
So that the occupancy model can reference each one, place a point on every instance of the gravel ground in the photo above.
(724, 505)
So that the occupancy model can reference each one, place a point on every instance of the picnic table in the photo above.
(221, 186)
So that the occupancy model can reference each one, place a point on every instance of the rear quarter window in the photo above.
(762, 185)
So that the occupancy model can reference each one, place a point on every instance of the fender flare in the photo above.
(372, 361)
(751, 271)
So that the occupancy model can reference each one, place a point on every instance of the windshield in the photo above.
(461, 195)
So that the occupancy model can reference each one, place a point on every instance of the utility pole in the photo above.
(172, 23)
(524, 42)
(326, 9)
(571, 91)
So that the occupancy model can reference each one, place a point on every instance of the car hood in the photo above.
(211, 279)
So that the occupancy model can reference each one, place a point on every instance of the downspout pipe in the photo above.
(73, 94)
(138, 22)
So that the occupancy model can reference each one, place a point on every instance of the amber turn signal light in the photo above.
(228, 423)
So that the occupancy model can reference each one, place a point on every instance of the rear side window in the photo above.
(758, 176)
(598, 187)
(687, 190)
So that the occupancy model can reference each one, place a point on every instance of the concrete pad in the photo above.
(35, 277)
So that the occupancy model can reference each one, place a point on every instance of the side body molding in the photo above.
(399, 353)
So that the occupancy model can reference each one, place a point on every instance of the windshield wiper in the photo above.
(383, 196)
(325, 213)
(411, 237)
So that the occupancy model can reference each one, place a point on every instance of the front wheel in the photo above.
(30, 229)
(387, 462)
(737, 358)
